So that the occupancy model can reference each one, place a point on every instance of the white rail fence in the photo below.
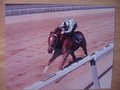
(48, 9)
(40, 10)
(90, 58)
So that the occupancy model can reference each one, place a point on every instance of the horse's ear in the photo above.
(57, 30)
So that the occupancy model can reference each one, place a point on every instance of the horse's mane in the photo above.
(57, 30)
(61, 38)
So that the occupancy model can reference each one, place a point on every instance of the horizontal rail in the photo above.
(23, 11)
(96, 56)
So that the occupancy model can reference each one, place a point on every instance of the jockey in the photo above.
(68, 27)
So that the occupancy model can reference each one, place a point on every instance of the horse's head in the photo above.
(52, 41)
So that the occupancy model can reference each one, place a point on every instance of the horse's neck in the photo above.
(61, 40)
(62, 37)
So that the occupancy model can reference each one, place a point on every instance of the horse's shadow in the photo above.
(74, 61)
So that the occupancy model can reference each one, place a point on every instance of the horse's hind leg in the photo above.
(84, 47)
(83, 44)
(73, 56)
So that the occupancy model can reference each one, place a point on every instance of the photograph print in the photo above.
(59, 46)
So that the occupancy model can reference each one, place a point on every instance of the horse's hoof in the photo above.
(45, 70)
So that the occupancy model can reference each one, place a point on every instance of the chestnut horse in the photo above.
(63, 45)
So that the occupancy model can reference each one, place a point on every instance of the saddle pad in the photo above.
(77, 37)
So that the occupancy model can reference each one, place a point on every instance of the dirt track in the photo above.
(26, 42)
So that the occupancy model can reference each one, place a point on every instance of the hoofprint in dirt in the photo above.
(26, 42)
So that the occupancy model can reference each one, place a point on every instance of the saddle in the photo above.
(77, 37)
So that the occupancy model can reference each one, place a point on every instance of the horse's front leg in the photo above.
(65, 55)
(50, 61)
(54, 56)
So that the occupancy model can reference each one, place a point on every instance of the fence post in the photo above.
(94, 74)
